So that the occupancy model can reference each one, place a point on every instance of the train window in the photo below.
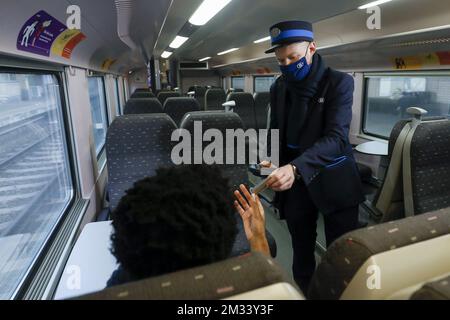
(263, 83)
(98, 111)
(118, 102)
(389, 96)
(238, 83)
(35, 179)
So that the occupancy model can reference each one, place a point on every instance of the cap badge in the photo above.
(275, 32)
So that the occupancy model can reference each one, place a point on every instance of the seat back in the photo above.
(164, 95)
(142, 94)
(399, 255)
(214, 98)
(388, 201)
(418, 149)
(262, 101)
(426, 167)
(136, 146)
(245, 277)
(200, 93)
(221, 121)
(143, 106)
(176, 108)
(245, 108)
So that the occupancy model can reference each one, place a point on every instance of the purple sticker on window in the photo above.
(39, 33)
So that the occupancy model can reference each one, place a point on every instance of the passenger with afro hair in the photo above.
(182, 217)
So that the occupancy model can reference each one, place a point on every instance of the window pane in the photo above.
(388, 98)
(35, 181)
(98, 111)
(263, 84)
(238, 83)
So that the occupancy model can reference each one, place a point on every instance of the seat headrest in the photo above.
(261, 95)
(212, 282)
(358, 246)
(143, 106)
(215, 92)
(176, 108)
(246, 96)
(435, 290)
(181, 102)
(212, 120)
(142, 94)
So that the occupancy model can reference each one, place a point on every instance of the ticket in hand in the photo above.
(260, 187)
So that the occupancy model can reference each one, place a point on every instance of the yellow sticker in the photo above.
(66, 41)
(108, 63)
(416, 62)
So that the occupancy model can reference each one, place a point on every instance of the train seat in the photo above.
(245, 108)
(435, 290)
(236, 173)
(176, 108)
(164, 95)
(136, 145)
(250, 277)
(386, 261)
(262, 101)
(418, 149)
(426, 167)
(143, 106)
(214, 98)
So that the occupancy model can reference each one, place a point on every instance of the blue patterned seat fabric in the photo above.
(136, 146)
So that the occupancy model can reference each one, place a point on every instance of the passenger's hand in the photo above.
(252, 213)
(282, 179)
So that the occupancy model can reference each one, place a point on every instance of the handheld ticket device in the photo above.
(260, 187)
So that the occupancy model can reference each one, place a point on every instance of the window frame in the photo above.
(274, 77)
(68, 132)
(368, 75)
(118, 98)
(107, 110)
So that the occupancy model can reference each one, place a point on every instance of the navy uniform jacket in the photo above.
(325, 159)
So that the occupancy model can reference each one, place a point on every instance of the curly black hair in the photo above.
(179, 219)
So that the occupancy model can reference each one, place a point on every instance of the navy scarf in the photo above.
(299, 95)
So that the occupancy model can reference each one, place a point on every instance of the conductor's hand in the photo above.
(282, 179)
(252, 213)
(267, 165)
